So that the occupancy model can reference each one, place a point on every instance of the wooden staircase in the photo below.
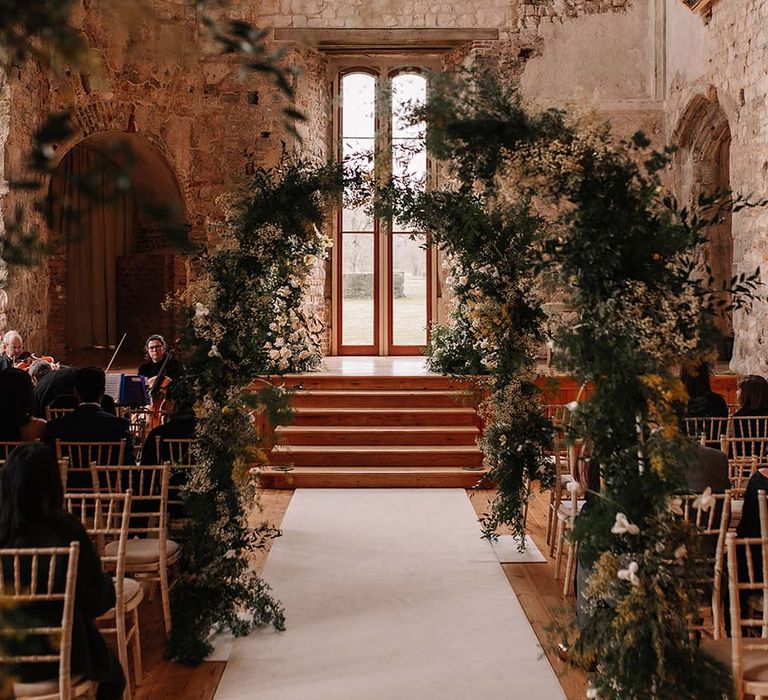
(376, 432)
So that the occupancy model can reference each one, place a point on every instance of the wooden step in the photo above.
(366, 477)
(381, 399)
(383, 416)
(337, 382)
(379, 435)
(389, 456)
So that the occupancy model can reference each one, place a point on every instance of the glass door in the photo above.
(358, 247)
(383, 286)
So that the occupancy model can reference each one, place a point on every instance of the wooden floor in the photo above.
(538, 592)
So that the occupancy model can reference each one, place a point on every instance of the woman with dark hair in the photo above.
(702, 401)
(17, 404)
(32, 515)
(753, 396)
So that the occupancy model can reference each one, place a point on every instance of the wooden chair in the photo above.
(710, 429)
(105, 518)
(749, 426)
(745, 455)
(53, 413)
(34, 576)
(562, 476)
(712, 526)
(181, 454)
(82, 454)
(153, 553)
(139, 424)
(746, 655)
(6, 448)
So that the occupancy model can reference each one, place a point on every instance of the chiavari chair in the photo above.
(105, 517)
(150, 553)
(42, 576)
(82, 454)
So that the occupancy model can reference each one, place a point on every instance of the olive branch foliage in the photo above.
(540, 206)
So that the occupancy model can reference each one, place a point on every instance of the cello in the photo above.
(158, 391)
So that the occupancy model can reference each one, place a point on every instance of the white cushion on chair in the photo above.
(142, 551)
(755, 660)
(131, 588)
(48, 687)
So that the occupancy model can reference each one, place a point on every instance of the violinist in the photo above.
(156, 350)
(13, 350)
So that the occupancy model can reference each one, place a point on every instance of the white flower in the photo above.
(214, 352)
(592, 694)
(623, 526)
(681, 552)
(572, 406)
(283, 364)
(201, 311)
(463, 280)
(630, 573)
(675, 505)
(573, 486)
(705, 501)
(274, 355)
(503, 439)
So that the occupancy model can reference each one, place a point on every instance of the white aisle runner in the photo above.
(390, 594)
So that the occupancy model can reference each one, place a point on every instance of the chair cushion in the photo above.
(131, 589)
(142, 551)
(755, 660)
(40, 688)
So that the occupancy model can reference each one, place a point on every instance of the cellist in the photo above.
(155, 351)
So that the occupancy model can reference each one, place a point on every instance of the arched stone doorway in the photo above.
(116, 265)
(702, 166)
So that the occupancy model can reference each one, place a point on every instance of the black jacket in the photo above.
(57, 389)
(90, 423)
(95, 594)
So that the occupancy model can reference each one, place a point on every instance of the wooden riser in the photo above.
(384, 417)
(376, 479)
(381, 436)
(328, 382)
(380, 399)
(306, 456)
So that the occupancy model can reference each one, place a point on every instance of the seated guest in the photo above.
(753, 401)
(57, 390)
(704, 467)
(156, 350)
(38, 369)
(31, 515)
(13, 350)
(16, 407)
(702, 401)
(89, 422)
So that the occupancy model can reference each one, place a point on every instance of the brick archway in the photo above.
(702, 167)
(146, 269)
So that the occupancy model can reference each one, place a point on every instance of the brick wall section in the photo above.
(144, 281)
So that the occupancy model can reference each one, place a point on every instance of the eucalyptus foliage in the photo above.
(544, 205)
(246, 316)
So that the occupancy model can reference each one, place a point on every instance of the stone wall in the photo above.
(724, 59)
(207, 121)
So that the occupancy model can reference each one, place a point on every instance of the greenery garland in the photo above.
(550, 204)
(246, 316)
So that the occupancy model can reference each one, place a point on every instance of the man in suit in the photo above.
(13, 349)
(57, 390)
(89, 422)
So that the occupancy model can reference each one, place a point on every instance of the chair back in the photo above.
(82, 454)
(41, 575)
(750, 426)
(140, 421)
(53, 413)
(742, 447)
(709, 428)
(149, 495)
(751, 580)
(7, 447)
(105, 517)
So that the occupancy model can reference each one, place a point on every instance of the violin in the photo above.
(28, 358)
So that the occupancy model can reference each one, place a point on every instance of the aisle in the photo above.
(390, 595)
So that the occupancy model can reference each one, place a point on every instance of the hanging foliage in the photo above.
(542, 205)
(246, 316)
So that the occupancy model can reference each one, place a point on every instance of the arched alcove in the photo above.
(702, 165)
(116, 264)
